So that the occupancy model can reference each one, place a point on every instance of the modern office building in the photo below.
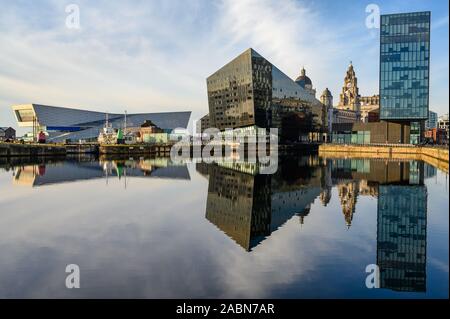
(203, 124)
(250, 92)
(66, 124)
(404, 70)
(404, 86)
(432, 121)
(369, 133)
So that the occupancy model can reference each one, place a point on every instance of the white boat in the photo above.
(107, 135)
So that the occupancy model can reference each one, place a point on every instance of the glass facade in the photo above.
(250, 91)
(355, 137)
(414, 137)
(342, 138)
(404, 66)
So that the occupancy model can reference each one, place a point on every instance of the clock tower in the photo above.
(349, 99)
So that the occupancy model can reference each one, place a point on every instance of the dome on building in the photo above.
(303, 80)
(326, 92)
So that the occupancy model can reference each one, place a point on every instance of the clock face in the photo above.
(349, 84)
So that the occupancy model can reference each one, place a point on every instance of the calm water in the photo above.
(150, 228)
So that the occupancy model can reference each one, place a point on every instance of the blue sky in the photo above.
(150, 56)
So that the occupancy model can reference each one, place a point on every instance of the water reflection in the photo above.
(402, 237)
(282, 238)
(248, 207)
(55, 172)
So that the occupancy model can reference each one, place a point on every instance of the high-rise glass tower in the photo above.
(404, 69)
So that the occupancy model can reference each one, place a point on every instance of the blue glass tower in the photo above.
(405, 69)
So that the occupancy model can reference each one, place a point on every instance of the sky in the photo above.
(155, 56)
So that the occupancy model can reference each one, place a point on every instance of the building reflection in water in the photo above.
(248, 206)
(401, 214)
(55, 172)
(402, 237)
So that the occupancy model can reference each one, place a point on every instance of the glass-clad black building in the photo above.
(250, 92)
(404, 69)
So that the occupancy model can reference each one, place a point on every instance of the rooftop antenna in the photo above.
(107, 120)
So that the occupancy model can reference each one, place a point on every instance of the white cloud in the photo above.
(150, 56)
(155, 56)
(292, 34)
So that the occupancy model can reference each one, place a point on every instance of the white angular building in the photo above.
(62, 124)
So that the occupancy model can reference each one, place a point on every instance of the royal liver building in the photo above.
(349, 97)
(351, 100)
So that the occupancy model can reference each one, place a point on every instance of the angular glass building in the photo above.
(250, 92)
(404, 69)
(64, 124)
